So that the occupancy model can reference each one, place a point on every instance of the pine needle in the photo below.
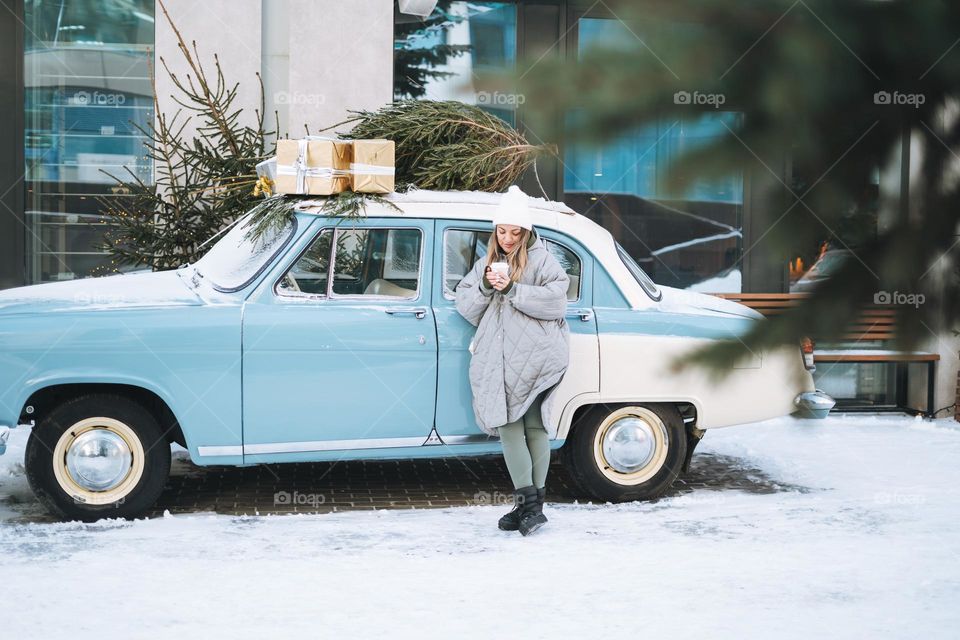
(449, 145)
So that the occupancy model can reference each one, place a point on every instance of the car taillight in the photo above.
(806, 349)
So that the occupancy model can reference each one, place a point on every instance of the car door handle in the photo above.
(419, 312)
(585, 315)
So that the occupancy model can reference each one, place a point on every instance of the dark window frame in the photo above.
(329, 294)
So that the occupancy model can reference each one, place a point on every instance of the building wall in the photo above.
(317, 58)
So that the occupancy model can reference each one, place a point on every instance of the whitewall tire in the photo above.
(97, 456)
(626, 452)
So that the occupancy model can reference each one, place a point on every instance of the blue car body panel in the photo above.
(253, 376)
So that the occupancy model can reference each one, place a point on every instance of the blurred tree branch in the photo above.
(835, 86)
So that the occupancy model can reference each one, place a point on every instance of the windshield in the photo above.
(649, 286)
(235, 260)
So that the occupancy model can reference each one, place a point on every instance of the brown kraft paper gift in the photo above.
(372, 169)
(313, 166)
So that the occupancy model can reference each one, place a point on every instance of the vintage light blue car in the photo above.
(334, 339)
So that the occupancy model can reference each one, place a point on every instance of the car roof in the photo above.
(450, 197)
(475, 205)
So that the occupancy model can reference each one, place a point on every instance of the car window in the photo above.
(235, 260)
(310, 273)
(461, 250)
(570, 262)
(648, 285)
(366, 262)
(463, 247)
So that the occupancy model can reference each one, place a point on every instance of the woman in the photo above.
(520, 351)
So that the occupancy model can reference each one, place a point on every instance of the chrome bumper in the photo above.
(4, 434)
(813, 404)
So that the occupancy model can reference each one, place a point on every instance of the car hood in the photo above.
(143, 289)
(683, 301)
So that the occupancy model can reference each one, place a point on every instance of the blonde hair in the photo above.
(517, 259)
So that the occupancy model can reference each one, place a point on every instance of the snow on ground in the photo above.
(871, 550)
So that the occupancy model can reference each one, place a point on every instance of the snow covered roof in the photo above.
(458, 197)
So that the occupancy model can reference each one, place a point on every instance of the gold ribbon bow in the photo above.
(264, 185)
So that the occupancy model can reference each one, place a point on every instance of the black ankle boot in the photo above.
(510, 521)
(531, 515)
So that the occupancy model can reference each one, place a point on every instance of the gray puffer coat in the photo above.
(522, 343)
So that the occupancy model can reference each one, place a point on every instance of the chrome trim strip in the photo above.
(229, 450)
(333, 445)
(473, 438)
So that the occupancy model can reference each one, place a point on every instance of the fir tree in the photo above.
(203, 182)
(834, 87)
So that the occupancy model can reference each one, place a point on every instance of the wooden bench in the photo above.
(876, 323)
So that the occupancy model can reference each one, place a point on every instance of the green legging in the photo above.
(526, 448)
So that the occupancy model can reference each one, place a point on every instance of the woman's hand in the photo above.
(496, 280)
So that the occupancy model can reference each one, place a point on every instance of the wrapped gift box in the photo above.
(313, 165)
(372, 169)
(266, 178)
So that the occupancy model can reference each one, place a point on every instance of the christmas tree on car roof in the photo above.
(438, 145)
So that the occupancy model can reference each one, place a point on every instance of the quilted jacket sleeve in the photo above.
(472, 298)
(546, 301)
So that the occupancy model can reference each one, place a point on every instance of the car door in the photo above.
(343, 358)
(459, 244)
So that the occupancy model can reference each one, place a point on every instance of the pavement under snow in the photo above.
(868, 548)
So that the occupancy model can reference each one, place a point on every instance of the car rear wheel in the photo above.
(626, 452)
(97, 456)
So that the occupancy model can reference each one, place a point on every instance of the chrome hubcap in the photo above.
(629, 444)
(99, 460)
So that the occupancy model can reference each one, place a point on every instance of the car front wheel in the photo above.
(626, 452)
(97, 456)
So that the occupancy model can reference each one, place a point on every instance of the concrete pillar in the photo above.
(228, 28)
(317, 58)
(341, 57)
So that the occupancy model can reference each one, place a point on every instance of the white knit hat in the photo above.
(514, 208)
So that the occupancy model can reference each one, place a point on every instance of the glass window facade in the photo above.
(691, 239)
(87, 94)
(437, 58)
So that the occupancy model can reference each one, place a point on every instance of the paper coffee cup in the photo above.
(501, 267)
